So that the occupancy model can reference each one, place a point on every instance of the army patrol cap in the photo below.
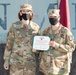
(53, 12)
(26, 7)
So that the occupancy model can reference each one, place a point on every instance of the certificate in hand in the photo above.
(41, 43)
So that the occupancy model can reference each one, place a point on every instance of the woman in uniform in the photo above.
(18, 55)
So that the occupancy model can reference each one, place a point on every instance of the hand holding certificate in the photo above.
(41, 43)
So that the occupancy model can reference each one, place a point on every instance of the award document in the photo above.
(41, 43)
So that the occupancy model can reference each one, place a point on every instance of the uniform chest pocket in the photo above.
(60, 38)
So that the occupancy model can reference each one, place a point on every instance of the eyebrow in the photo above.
(53, 16)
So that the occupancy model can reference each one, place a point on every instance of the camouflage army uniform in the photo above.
(18, 52)
(56, 61)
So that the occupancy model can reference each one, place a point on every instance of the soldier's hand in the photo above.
(6, 66)
(53, 44)
(33, 50)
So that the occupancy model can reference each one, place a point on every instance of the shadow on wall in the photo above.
(2, 70)
(73, 65)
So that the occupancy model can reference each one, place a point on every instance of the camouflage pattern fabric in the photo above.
(20, 69)
(56, 61)
(18, 52)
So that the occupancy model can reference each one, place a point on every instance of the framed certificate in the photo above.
(41, 43)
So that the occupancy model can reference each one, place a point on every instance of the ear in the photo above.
(59, 18)
(20, 13)
(30, 13)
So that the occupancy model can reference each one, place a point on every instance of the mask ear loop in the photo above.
(21, 13)
(30, 13)
(58, 18)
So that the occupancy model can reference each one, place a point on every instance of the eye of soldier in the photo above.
(53, 16)
(26, 10)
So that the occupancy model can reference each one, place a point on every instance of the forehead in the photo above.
(26, 10)
(53, 17)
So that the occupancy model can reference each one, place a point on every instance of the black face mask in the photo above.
(53, 21)
(25, 16)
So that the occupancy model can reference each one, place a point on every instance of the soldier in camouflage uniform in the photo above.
(56, 61)
(18, 52)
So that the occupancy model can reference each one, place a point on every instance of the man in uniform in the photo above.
(56, 61)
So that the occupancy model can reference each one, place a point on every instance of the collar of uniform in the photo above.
(21, 25)
(55, 31)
